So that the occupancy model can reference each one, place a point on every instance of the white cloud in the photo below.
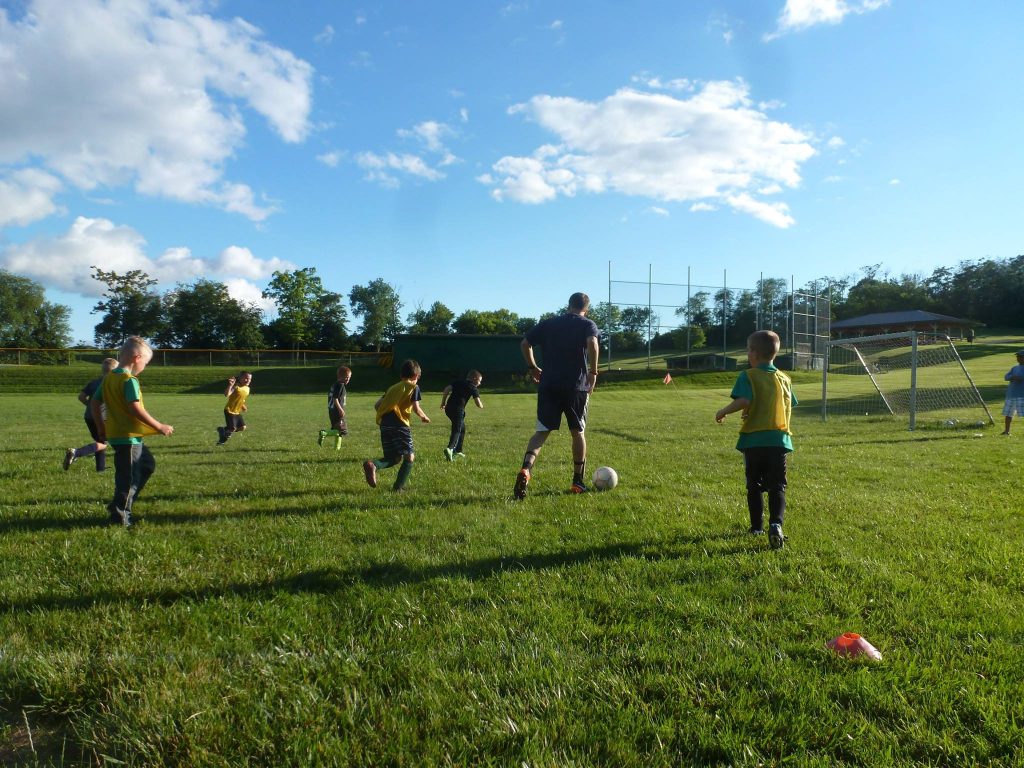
(836, 142)
(657, 84)
(65, 261)
(249, 293)
(381, 168)
(27, 196)
(430, 133)
(556, 24)
(464, 115)
(894, 182)
(832, 179)
(776, 214)
(148, 93)
(658, 211)
(386, 168)
(697, 207)
(801, 14)
(331, 159)
(712, 147)
(325, 36)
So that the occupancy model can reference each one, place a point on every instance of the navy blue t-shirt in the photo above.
(462, 392)
(90, 392)
(563, 341)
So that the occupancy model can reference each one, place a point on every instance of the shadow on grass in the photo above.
(622, 435)
(325, 581)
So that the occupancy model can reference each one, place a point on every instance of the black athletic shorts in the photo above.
(234, 421)
(552, 403)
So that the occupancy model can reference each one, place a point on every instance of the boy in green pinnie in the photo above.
(765, 396)
(394, 411)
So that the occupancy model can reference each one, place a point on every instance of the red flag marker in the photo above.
(667, 379)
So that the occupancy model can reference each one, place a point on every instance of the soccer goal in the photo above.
(914, 375)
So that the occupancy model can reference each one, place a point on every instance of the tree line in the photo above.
(203, 315)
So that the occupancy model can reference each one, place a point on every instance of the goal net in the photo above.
(912, 375)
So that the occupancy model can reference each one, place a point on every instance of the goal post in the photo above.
(909, 374)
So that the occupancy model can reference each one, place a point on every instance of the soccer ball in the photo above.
(605, 478)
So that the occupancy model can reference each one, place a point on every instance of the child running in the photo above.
(336, 398)
(236, 393)
(122, 423)
(453, 403)
(97, 448)
(393, 416)
(765, 396)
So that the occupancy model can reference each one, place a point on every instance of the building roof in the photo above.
(903, 317)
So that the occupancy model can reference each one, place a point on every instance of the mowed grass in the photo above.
(268, 608)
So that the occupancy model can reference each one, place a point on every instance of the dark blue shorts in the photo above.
(395, 441)
(553, 403)
(233, 421)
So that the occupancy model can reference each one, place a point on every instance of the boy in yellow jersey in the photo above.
(765, 396)
(394, 411)
(123, 423)
(236, 393)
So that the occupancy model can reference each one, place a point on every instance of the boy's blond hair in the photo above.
(134, 345)
(765, 343)
(109, 364)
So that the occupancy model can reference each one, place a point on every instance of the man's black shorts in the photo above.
(552, 403)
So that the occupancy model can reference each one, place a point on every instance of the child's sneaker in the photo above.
(775, 537)
(220, 436)
(69, 458)
(460, 455)
(320, 438)
(522, 480)
(370, 470)
(578, 487)
(756, 531)
(448, 453)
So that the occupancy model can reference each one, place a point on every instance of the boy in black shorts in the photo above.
(453, 403)
(97, 448)
(336, 399)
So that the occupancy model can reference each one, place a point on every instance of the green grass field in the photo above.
(268, 608)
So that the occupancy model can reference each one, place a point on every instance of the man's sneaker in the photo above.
(448, 454)
(522, 480)
(460, 455)
(370, 470)
(320, 439)
(578, 487)
(119, 516)
(69, 458)
(775, 537)
(757, 531)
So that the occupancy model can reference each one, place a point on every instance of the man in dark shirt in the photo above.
(453, 402)
(570, 348)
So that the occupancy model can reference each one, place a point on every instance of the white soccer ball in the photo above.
(605, 478)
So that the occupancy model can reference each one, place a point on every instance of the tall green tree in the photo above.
(378, 304)
(308, 315)
(489, 322)
(27, 319)
(129, 307)
(204, 316)
(437, 319)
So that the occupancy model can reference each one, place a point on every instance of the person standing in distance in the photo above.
(570, 346)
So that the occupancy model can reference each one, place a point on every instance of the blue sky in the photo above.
(500, 154)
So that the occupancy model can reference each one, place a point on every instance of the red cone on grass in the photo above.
(851, 644)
